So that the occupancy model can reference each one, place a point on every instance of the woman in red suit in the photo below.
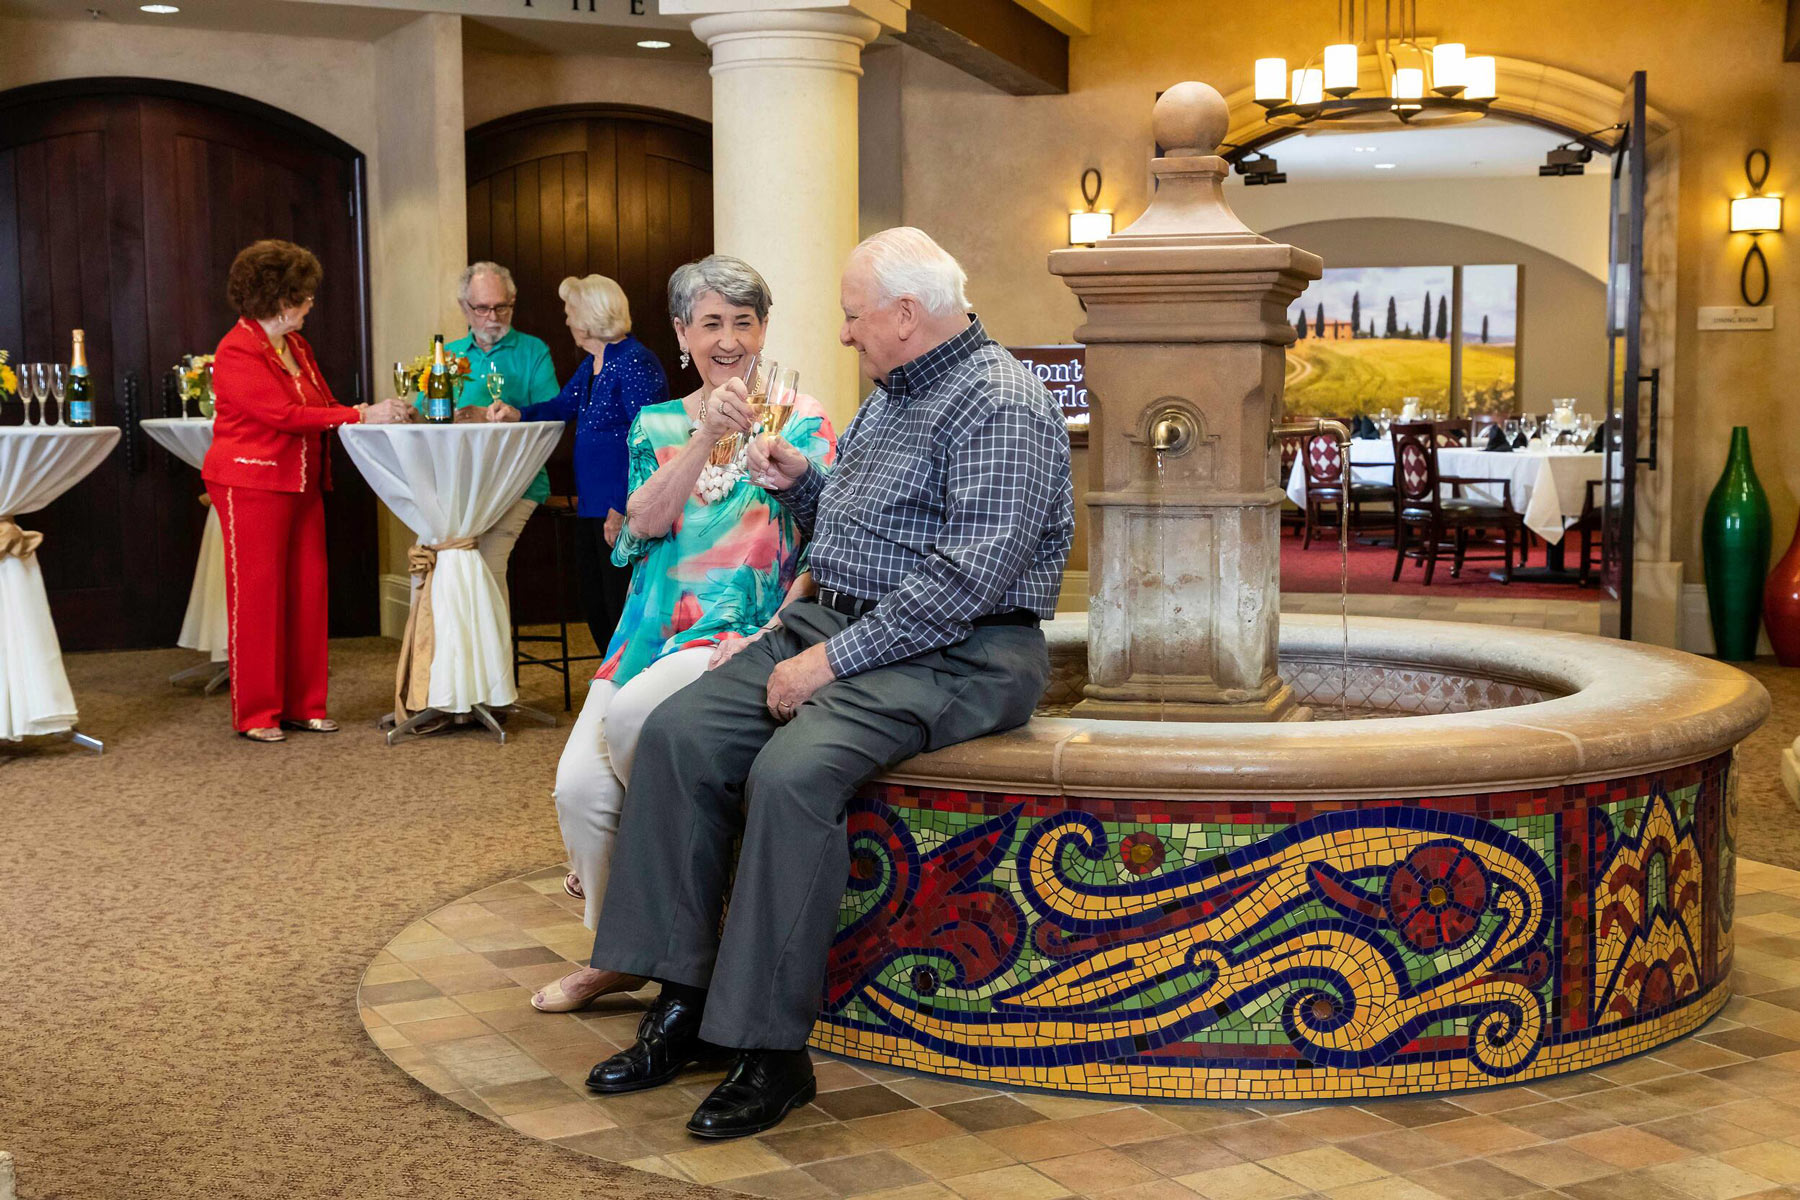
(266, 472)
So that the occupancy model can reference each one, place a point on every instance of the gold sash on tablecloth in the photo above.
(16, 542)
(412, 682)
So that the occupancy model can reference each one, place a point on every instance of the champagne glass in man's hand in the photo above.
(776, 465)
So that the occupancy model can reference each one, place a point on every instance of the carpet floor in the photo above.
(159, 903)
(1315, 568)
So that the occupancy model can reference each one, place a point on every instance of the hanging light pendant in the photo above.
(1422, 82)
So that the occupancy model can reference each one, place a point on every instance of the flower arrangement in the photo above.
(9, 378)
(455, 365)
(193, 380)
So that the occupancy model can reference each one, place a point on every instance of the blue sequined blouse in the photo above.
(603, 404)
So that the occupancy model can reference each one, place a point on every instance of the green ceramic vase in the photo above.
(1734, 542)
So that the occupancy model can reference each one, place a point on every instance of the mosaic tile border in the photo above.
(1275, 949)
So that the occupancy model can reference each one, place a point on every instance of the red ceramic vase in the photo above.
(1781, 605)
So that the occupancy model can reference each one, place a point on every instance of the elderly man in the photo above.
(938, 543)
(487, 294)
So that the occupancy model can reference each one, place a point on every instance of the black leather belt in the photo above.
(856, 606)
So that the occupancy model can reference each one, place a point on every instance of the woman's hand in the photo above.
(726, 650)
(726, 411)
(615, 523)
(384, 412)
(775, 465)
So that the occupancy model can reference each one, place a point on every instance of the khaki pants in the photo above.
(496, 545)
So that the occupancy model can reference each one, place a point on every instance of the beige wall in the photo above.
(497, 85)
(993, 175)
(1562, 309)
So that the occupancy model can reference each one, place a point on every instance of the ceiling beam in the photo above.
(1073, 17)
(996, 41)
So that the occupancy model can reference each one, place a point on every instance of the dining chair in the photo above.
(1292, 515)
(1427, 523)
(1329, 482)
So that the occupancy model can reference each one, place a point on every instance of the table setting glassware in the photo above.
(59, 382)
(33, 381)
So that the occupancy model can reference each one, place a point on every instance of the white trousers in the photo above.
(596, 764)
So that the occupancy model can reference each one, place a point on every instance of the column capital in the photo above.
(888, 16)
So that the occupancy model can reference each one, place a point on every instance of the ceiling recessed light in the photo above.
(652, 44)
(1385, 166)
(161, 10)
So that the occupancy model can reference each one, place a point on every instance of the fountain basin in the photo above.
(1524, 869)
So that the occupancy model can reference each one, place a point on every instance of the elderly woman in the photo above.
(266, 472)
(711, 572)
(618, 377)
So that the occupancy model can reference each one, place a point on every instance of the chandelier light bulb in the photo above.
(1309, 86)
(1447, 60)
(1271, 80)
(1478, 78)
(1340, 68)
(1409, 85)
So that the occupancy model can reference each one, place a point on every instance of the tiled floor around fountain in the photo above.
(1574, 616)
(1714, 1117)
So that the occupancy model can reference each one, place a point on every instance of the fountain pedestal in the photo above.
(1186, 333)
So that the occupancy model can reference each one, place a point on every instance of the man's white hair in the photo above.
(907, 262)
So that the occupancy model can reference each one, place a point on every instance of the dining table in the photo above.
(449, 484)
(204, 626)
(38, 463)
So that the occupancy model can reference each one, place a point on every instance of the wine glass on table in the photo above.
(1509, 428)
(59, 383)
(1529, 425)
(39, 379)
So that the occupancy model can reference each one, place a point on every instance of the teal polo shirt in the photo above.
(530, 379)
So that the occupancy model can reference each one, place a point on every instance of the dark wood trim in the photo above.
(1790, 44)
(550, 114)
(131, 85)
(996, 41)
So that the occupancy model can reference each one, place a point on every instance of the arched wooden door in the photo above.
(122, 203)
(580, 189)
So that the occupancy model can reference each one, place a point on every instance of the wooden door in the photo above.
(578, 190)
(122, 203)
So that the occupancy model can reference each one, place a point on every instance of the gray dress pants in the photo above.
(712, 763)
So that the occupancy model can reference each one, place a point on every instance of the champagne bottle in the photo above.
(438, 407)
(80, 392)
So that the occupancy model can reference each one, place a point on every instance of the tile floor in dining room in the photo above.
(1713, 1117)
(1573, 616)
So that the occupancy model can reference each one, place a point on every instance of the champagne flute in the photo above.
(725, 451)
(496, 383)
(778, 405)
(59, 382)
(402, 381)
(40, 390)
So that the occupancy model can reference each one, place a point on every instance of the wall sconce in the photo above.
(1755, 214)
(1091, 225)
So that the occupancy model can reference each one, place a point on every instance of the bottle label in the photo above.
(437, 408)
(81, 412)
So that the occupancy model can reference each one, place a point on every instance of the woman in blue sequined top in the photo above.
(619, 376)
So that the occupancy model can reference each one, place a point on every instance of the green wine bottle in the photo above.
(80, 407)
(439, 409)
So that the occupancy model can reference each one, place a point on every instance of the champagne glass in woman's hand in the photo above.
(727, 411)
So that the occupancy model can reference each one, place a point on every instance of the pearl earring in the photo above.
(685, 360)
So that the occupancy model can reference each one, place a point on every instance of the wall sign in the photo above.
(1063, 370)
(1737, 317)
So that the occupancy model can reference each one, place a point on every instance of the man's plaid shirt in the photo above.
(950, 500)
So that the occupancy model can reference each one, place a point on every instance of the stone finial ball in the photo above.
(1191, 118)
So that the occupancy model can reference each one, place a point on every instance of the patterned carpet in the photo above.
(188, 916)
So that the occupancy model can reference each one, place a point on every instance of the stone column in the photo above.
(1187, 325)
(784, 164)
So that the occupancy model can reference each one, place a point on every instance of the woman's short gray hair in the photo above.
(736, 281)
(485, 268)
(907, 262)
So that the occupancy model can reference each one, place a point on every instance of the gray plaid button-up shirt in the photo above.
(950, 500)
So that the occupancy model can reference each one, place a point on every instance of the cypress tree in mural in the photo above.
(1425, 321)
(1319, 321)
(1356, 313)
(1484, 329)
(1300, 326)
(1443, 324)
(1393, 320)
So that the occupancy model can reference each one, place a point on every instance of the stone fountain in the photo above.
(1179, 891)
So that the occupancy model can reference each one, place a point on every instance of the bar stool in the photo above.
(561, 511)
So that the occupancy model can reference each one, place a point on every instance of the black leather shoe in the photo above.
(668, 1040)
(762, 1087)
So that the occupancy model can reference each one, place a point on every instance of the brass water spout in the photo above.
(1172, 432)
(1316, 425)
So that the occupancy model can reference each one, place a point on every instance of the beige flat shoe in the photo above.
(263, 735)
(313, 725)
(553, 999)
(572, 885)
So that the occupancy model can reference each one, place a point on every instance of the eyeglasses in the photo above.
(489, 310)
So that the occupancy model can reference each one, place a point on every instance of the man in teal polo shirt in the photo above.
(486, 293)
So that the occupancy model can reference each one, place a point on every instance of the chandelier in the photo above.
(1423, 81)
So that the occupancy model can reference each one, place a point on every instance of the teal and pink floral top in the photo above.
(723, 568)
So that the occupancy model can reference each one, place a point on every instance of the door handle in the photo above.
(1654, 379)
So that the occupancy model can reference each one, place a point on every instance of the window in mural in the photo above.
(1367, 337)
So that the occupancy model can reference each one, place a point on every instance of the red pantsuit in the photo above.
(276, 598)
(267, 472)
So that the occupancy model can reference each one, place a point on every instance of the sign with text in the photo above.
(1063, 370)
(1735, 317)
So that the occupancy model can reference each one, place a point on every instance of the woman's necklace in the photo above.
(717, 479)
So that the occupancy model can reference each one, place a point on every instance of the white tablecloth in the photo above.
(204, 627)
(455, 481)
(1547, 510)
(36, 466)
